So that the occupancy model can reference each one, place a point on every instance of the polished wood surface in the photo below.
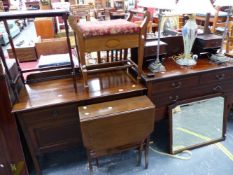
(104, 126)
(181, 83)
(101, 85)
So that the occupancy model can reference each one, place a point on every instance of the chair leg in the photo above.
(83, 67)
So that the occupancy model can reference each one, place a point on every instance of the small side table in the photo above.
(24, 53)
(115, 126)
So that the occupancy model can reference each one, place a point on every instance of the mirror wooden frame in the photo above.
(205, 142)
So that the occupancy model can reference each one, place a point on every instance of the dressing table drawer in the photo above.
(167, 98)
(51, 114)
(216, 77)
(172, 85)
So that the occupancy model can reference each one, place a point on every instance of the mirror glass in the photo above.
(196, 123)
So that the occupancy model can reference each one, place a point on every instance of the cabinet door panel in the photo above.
(54, 136)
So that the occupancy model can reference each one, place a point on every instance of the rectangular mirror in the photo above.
(196, 122)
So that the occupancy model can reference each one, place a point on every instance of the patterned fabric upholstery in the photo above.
(112, 27)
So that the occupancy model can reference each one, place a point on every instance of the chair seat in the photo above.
(112, 27)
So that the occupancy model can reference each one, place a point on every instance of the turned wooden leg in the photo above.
(97, 162)
(140, 56)
(140, 155)
(146, 151)
(90, 162)
(82, 64)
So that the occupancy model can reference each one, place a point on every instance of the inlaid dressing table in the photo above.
(183, 83)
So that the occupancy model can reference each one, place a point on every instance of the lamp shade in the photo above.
(159, 4)
(223, 3)
(194, 6)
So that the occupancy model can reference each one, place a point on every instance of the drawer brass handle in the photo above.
(176, 84)
(217, 88)
(174, 99)
(55, 113)
(220, 77)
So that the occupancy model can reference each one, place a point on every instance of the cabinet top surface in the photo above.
(55, 92)
(91, 112)
(174, 70)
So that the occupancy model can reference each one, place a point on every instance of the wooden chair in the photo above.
(93, 42)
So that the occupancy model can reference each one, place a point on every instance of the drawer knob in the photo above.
(218, 88)
(220, 77)
(174, 99)
(176, 84)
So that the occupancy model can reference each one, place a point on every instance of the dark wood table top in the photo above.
(55, 92)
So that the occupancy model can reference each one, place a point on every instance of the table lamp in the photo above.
(189, 31)
(157, 66)
(220, 57)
